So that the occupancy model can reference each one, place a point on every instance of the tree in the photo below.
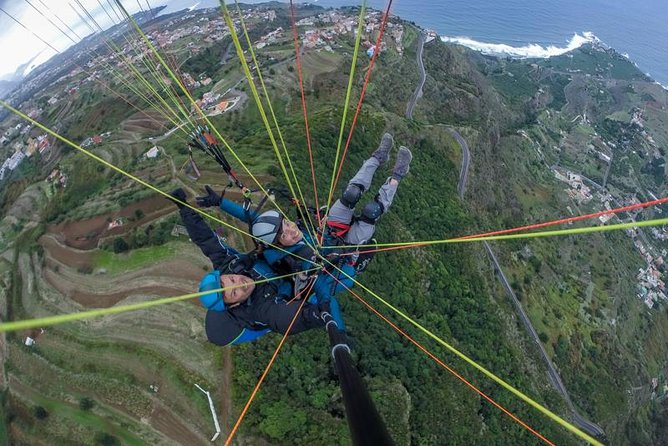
(139, 214)
(86, 403)
(40, 412)
(120, 245)
(105, 439)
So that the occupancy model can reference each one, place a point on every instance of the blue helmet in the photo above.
(214, 300)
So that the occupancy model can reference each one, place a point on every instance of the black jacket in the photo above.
(266, 308)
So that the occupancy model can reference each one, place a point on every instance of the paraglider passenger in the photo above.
(343, 227)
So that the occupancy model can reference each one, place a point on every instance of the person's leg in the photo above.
(221, 327)
(363, 229)
(278, 315)
(342, 210)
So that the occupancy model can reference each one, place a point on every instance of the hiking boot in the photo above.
(382, 153)
(403, 164)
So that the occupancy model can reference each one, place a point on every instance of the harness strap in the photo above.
(342, 228)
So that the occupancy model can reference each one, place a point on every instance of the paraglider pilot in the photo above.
(343, 227)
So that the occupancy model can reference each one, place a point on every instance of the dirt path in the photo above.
(165, 421)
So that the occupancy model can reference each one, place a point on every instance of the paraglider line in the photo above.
(364, 87)
(310, 227)
(139, 180)
(444, 365)
(267, 368)
(493, 235)
(303, 98)
(197, 108)
(360, 22)
(62, 318)
(536, 405)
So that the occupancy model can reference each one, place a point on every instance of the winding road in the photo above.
(466, 161)
(553, 375)
(555, 379)
(417, 94)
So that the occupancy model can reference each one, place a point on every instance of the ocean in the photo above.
(538, 28)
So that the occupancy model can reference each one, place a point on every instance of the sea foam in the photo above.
(530, 50)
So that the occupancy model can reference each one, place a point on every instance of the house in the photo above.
(222, 106)
(153, 152)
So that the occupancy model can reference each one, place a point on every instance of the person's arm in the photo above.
(236, 210)
(223, 329)
(212, 198)
(327, 287)
(202, 235)
(248, 335)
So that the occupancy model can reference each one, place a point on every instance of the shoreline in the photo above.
(530, 50)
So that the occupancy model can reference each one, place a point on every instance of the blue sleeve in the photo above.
(335, 310)
(285, 290)
(324, 286)
(236, 210)
(248, 335)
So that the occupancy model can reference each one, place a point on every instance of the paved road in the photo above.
(423, 76)
(555, 379)
(466, 160)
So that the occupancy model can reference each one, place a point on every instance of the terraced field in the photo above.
(138, 369)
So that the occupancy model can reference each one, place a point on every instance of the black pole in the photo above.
(366, 425)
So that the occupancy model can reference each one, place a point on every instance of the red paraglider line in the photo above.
(266, 370)
(527, 227)
(444, 365)
(301, 87)
(361, 99)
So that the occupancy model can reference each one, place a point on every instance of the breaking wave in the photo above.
(530, 50)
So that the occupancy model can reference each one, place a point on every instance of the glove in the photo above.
(180, 195)
(303, 281)
(207, 201)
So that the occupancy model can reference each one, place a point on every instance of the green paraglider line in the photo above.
(62, 318)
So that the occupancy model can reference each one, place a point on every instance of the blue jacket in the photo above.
(277, 259)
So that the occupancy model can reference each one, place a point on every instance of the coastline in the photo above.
(535, 51)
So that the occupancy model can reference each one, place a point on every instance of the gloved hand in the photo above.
(302, 282)
(207, 201)
(180, 195)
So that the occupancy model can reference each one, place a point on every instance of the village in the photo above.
(199, 30)
(651, 284)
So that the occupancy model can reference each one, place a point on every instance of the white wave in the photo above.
(530, 50)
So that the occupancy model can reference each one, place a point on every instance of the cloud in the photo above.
(20, 44)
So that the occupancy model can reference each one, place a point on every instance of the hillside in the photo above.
(549, 138)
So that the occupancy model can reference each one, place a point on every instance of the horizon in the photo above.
(24, 49)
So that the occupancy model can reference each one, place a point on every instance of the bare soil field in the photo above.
(85, 234)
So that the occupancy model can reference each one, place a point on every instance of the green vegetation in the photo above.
(117, 262)
(208, 61)
(519, 118)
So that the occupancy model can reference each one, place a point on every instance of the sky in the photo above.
(19, 45)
